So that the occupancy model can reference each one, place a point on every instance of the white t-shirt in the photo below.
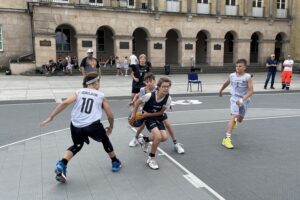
(87, 108)
(288, 65)
(133, 59)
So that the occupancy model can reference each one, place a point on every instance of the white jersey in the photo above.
(288, 65)
(87, 108)
(239, 84)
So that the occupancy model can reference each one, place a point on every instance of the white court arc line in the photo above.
(192, 178)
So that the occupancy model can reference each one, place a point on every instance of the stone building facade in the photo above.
(215, 32)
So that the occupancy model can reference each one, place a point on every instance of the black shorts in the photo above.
(136, 86)
(95, 131)
(154, 122)
(164, 117)
(135, 90)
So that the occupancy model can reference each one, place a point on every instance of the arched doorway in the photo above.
(105, 43)
(172, 47)
(66, 44)
(139, 42)
(201, 47)
(278, 47)
(254, 48)
(228, 48)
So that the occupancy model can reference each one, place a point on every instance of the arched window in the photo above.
(63, 39)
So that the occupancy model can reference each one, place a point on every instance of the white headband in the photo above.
(92, 81)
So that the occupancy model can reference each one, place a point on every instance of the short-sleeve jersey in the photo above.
(139, 72)
(152, 104)
(87, 108)
(239, 84)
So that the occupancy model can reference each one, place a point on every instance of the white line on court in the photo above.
(41, 135)
(24, 104)
(192, 178)
(20, 141)
(248, 119)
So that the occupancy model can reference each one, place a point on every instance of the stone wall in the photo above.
(17, 38)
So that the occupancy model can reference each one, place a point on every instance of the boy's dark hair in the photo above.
(89, 77)
(149, 76)
(163, 80)
(241, 61)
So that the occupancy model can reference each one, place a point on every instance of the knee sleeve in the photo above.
(107, 145)
(75, 148)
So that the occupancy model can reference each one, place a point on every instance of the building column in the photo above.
(85, 42)
(286, 48)
(187, 49)
(267, 47)
(242, 49)
(215, 51)
(156, 51)
(123, 45)
(218, 8)
(245, 8)
(45, 48)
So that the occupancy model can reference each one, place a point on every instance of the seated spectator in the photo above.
(74, 62)
(50, 67)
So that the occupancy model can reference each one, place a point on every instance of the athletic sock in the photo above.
(175, 141)
(228, 135)
(113, 159)
(65, 161)
(151, 155)
(146, 139)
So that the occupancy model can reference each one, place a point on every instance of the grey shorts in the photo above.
(236, 109)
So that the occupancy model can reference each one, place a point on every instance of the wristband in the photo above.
(241, 101)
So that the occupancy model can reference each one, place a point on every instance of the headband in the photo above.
(92, 81)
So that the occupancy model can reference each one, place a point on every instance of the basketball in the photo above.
(138, 115)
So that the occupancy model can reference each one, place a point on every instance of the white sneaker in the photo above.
(178, 148)
(143, 143)
(133, 142)
(152, 163)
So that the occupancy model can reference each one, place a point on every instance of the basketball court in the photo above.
(264, 164)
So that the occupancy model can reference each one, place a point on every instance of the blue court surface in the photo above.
(263, 165)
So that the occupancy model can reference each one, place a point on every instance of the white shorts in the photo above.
(236, 109)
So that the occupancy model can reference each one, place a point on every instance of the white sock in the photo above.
(228, 135)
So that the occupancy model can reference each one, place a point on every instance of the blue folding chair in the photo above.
(193, 78)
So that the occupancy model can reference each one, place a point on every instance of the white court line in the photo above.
(213, 109)
(41, 135)
(24, 104)
(192, 178)
(33, 137)
(248, 119)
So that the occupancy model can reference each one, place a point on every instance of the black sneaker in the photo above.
(272, 88)
(265, 87)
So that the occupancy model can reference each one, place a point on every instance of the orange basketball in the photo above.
(138, 115)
